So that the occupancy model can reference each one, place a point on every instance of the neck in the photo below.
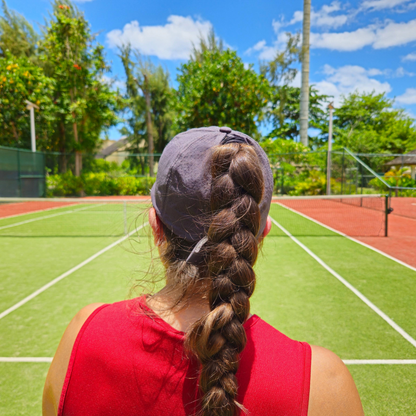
(180, 315)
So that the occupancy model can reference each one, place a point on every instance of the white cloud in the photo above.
(172, 41)
(345, 41)
(410, 57)
(382, 4)
(409, 96)
(324, 17)
(378, 36)
(259, 46)
(347, 79)
(401, 72)
(268, 52)
(395, 34)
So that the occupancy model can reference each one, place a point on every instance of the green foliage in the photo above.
(97, 183)
(86, 103)
(282, 69)
(281, 146)
(161, 98)
(16, 34)
(21, 80)
(368, 123)
(396, 177)
(284, 112)
(218, 90)
(313, 184)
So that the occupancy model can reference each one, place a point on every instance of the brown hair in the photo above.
(224, 271)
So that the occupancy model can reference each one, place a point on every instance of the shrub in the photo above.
(97, 184)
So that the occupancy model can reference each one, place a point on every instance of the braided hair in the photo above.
(226, 272)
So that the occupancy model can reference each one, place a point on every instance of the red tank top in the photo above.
(127, 361)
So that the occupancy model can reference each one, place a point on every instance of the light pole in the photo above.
(304, 92)
(328, 160)
(31, 107)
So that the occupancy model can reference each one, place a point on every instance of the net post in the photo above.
(386, 215)
(125, 216)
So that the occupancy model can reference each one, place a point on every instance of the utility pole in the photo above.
(304, 93)
(31, 107)
(146, 92)
(328, 160)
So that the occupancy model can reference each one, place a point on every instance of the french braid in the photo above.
(219, 337)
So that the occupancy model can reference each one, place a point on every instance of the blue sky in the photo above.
(362, 45)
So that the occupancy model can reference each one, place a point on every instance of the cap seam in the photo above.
(181, 153)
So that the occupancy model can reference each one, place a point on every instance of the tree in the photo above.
(282, 69)
(369, 123)
(149, 104)
(16, 34)
(215, 88)
(284, 113)
(85, 102)
(21, 80)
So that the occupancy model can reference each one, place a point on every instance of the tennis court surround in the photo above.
(314, 285)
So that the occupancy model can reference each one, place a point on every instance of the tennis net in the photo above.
(75, 217)
(352, 215)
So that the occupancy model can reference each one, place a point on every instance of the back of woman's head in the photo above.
(221, 271)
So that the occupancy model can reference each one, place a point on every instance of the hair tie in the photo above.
(196, 250)
(234, 138)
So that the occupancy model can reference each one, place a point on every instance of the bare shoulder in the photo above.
(57, 371)
(333, 391)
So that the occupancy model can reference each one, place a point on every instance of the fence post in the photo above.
(44, 174)
(19, 179)
(386, 214)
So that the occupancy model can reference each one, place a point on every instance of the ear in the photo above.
(156, 225)
(268, 226)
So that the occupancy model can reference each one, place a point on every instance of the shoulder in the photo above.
(332, 390)
(57, 371)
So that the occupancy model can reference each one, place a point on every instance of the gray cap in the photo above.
(182, 191)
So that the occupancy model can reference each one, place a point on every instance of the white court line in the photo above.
(62, 276)
(371, 305)
(31, 212)
(376, 362)
(26, 359)
(47, 216)
(349, 238)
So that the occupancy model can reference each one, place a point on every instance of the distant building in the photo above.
(407, 160)
(114, 150)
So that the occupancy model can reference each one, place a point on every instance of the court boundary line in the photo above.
(4, 227)
(370, 304)
(32, 212)
(349, 238)
(346, 362)
(69, 272)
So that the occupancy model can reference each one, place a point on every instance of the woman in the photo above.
(194, 348)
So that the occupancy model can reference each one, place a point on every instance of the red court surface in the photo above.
(20, 208)
(367, 224)
(405, 207)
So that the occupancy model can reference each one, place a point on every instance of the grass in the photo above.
(294, 293)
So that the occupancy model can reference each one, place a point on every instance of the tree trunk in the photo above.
(304, 94)
(149, 125)
(63, 165)
(78, 154)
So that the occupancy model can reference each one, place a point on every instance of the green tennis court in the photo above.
(317, 286)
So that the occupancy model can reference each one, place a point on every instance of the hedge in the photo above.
(99, 184)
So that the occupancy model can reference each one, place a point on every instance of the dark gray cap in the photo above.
(182, 191)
